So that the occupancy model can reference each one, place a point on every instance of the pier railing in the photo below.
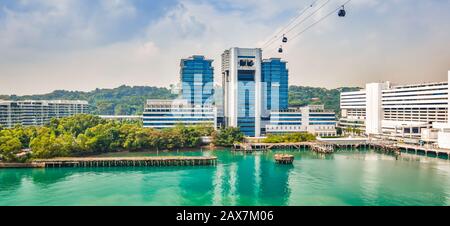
(389, 147)
(128, 162)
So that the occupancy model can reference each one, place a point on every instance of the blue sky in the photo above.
(87, 44)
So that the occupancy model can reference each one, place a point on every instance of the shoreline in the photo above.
(31, 165)
(397, 149)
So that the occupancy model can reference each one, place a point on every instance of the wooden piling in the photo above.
(126, 162)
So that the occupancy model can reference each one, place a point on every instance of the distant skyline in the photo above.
(82, 45)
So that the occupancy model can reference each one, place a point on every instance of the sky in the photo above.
(48, 45)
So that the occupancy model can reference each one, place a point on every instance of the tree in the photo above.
(85, 134)
(102, 138)
(123, 100)
(204, 129)
(24, 134)
(339, 131)
(48, 145)
(76, 124)
(289, 138)
(302, 96)
(135, 137)
(9, 146)
(227, 137)
(126, 100)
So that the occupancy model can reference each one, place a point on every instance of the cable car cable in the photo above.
(310, 15)
(318, 21)
(291, 22)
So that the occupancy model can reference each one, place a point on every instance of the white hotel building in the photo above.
(38, 112)
(401, 112)
(313, 119)
(353, 110)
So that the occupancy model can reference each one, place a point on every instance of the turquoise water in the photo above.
(344, 178)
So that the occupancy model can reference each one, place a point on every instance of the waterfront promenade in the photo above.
(424, 150)
(329, 146)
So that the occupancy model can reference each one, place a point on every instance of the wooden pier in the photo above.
(127, 162)
(322, 147)
(21, 165)
(423, 150)
(385, 147)
(251, 147)
(318, 147)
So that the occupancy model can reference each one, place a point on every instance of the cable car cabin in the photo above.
(342, 12)
(285, 39)
(280, 50)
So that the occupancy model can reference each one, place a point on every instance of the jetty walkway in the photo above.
(127, 162)
(423, 150)
(319, 147)
(324, 147)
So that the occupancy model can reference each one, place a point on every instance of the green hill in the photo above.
(124, 100)
(127, 100)
(303, 95)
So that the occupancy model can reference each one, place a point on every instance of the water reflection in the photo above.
(46, 177)
(238, 179)
(11, 180)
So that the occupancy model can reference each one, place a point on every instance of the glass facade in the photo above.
(275, 81)
(160, 114)
(246, 102)
(197, 80)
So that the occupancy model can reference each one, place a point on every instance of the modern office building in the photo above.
(252, 89)
(396, 111)
(38, 112)
(241, 82)
(312, 119)
(197, 80)
(160, 114)
(195, 104)
(218, 103)
(275, 80)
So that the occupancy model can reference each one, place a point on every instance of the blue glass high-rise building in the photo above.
(252, 88)
(275, 80)
(241, 78)
(197, 80)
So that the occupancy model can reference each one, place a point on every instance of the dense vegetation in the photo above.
(291, 137)
(126, 100)
(86, 134)
(301, 96)
(355, 131)
(227, 137)
(82, 135)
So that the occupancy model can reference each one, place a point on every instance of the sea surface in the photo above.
(355, 178)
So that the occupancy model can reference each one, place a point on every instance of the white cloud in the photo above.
(118, 8)
(60, 45)
(61, 24)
